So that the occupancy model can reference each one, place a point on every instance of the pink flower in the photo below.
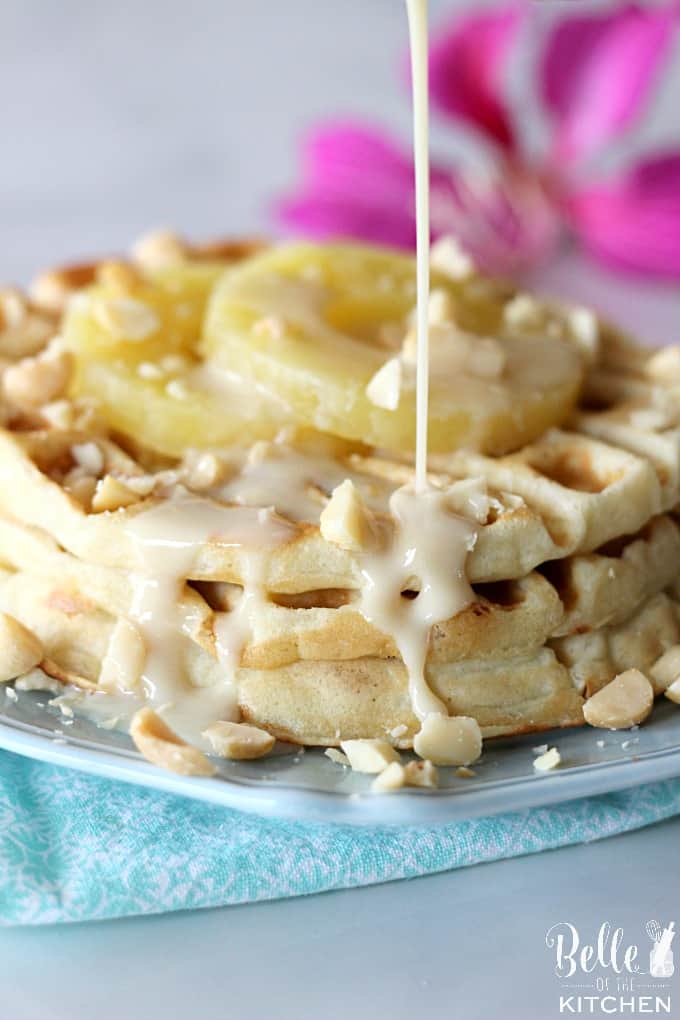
(595, 73)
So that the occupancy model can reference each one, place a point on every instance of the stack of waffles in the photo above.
(574, 571)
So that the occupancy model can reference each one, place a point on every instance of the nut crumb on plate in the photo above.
(370, 756)
(550, 760)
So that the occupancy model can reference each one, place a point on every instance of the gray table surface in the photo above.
(468, 944)
(121, 117)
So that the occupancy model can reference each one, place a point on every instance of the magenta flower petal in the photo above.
(597, 71)
(356, 183)
(326, 217)
(339, 154)
(466, 64)
(634, 223)
(658, 175)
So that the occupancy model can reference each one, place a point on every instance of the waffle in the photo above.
(573, 570)
(532, 686)
(566, 494)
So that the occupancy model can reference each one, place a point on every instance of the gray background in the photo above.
(124, 116)
(121, 116)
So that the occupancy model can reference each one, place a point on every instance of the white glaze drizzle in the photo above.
(417, 19)
(167, 540)
(427, 554)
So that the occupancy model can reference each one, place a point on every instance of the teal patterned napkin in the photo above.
(75, 848)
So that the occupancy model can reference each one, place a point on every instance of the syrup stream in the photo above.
(417, 19)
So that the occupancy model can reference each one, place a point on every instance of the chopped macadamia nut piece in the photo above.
(126, 318)
(626, 701)
(161, 746)
(239, 741)
(664, 366)
(441, 308)
(391, 778)
(13, 308)
(586, 331)
(337, 756)
(370, 756)
(463, 772)
(37, 680)
(452, 350)
(447, 344)
(395, 776)
(523, 311)
(672, 692)
(421, 773)
(53, 289)
(112, 494)
(89, 457)
(35, 381)
(119, 276)
(204, 471)
(345, 520)
(384, 389)
(449, 740)
(20, 649)
(666, 669)
(158, 249)
(398, 731)
(149, 370)
(60, 414)
(143, 485)
(550, 759)
(449, 258)
(123, 663)
(24, 329)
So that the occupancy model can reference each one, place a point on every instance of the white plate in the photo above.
(308, 786)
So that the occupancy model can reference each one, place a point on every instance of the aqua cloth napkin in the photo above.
(75, 848)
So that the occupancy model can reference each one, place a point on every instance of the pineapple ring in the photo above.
(135, 345)
(308, 322)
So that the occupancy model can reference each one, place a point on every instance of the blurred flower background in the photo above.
(516, 204)
(199, 127)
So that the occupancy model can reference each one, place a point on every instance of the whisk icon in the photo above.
(661, 956)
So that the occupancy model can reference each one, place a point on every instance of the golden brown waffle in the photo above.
(576, 554)
(509, 619)
(595, 657)
(321, 701)
(597, 493)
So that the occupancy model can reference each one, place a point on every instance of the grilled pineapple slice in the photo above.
(317, 324)
(135, 337)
